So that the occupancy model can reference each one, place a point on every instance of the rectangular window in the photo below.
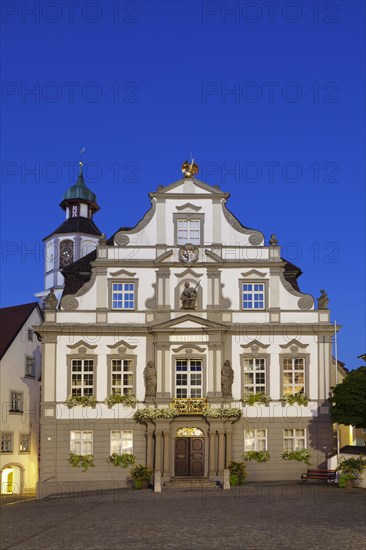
(29, 366)
(16, 402)
(123, 295)
(188, 379)
(24, 443)
(255, 375)
(81, 442)
(294, 439)
(255, 440)
(121, 442)
(6, 443)
(188, 231)
(253, 295)
(82, 377)
(30, 334)
(122, 376)
(293, 375)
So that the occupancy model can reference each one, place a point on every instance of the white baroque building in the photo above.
(189, 311)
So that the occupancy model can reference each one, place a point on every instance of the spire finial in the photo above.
(81, 164)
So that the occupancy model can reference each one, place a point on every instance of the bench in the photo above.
(323, 475)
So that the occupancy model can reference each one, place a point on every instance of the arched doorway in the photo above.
(11, 479)
(189, 452)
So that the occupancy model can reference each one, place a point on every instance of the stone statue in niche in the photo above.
(51, 301)
(189, 296)
(150, 380)
(227, 379)
(323, 300)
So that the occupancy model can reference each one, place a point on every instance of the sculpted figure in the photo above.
(51, 301)
(189, 296)
(323, 300)
(227, 379)
(150, 380)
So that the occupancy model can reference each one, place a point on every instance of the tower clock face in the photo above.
(66, 253)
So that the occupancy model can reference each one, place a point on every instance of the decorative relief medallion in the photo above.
(121, 240)
(69, 303)
(188, 254)
(306, 302)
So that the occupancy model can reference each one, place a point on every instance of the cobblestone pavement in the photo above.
(255, 516)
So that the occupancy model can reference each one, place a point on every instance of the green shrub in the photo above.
(238, 473)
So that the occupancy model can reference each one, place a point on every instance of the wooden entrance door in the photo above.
(189, 456)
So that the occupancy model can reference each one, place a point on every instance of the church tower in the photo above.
(76, 237)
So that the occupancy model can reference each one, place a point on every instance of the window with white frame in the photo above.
(293, 375)
(294, 439)
(6, 442)
(255, 440)
(188, 231)
(121, 441)
(16, 402)
(255, 375)
(123, 295)
(30, 334)
(82, 377)
(188, 378)
(253, 296)
(81, 442)
(122, 376)
(29, 366)
(24, 443)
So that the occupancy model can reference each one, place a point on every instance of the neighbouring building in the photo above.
(20, 371)
(197, 316)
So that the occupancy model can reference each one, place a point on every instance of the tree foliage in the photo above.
(348, 404)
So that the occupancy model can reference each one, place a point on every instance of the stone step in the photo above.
(190, 483)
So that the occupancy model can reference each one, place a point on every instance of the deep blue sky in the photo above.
(142, 84)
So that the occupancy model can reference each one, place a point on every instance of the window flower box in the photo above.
(123, 460)
(254, 398)
(83, 461)
(83, 400)
(127, 401)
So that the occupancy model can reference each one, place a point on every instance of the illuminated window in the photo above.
(293, 374)
(24, 443)
(81, 442)
(122, 376)
(82, 377)
(188, 378)
(255, 440)
(255, 375)
(294, 439)
(121, 441)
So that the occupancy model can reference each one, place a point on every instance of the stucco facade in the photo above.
(242, 311)
(20, 372)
